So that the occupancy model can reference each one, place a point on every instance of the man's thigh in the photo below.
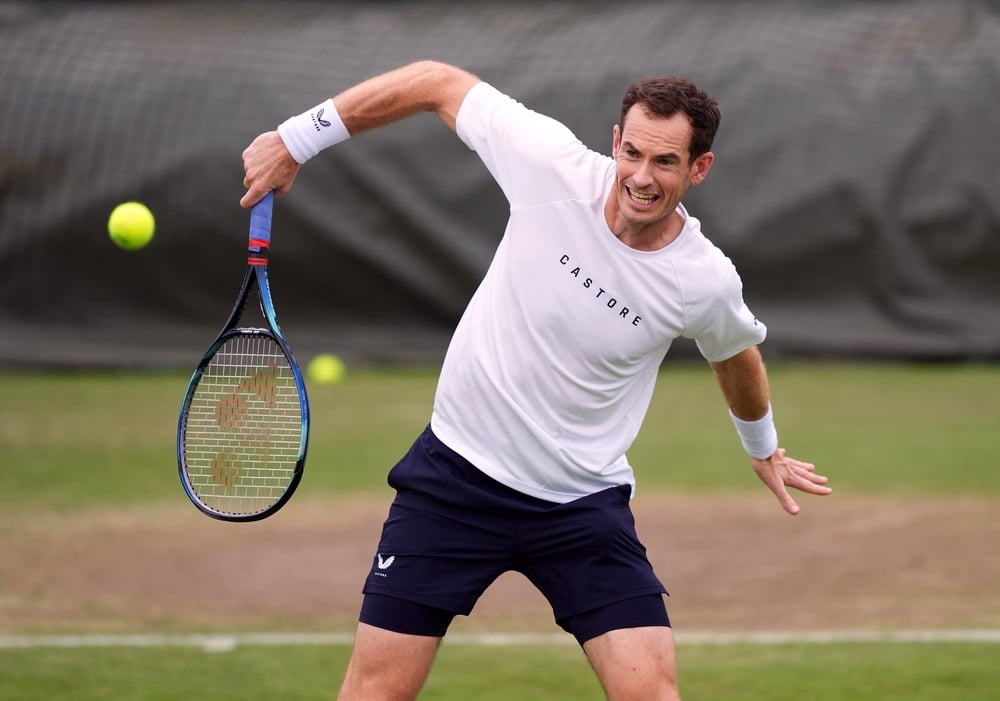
(635, 663)
(387, 665)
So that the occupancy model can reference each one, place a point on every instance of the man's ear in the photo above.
(702, 164)
(616, 141)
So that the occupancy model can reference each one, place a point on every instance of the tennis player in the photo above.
(549, 374)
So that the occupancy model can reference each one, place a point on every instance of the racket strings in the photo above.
(244, 427)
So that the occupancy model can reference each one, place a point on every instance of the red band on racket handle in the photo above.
(256, 261)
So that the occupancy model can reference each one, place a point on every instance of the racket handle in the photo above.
(260, 219)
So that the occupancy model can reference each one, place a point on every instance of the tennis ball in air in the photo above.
(131, 225)
(326, 369)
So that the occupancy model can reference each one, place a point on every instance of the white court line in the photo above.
(222, 642)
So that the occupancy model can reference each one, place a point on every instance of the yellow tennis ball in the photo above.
(131, 225)
(326, 369)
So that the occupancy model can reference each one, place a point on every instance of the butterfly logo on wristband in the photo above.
(319, 118)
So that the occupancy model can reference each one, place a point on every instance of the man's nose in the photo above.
(643, 174)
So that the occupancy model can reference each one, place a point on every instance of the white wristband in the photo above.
(760, 437)
(308, 133)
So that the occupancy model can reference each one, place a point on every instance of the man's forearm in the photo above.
(424, 86)
(743, 381)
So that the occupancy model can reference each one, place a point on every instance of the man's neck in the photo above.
(648, 237)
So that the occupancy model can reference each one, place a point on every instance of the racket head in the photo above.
(244, 427)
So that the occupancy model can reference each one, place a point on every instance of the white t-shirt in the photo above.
(551, 369)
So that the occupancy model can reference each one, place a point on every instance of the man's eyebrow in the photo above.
(668, 155)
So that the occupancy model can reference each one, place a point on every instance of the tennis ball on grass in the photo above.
(326, 369)
(131, 225)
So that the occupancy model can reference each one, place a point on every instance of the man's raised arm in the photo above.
(272, 160)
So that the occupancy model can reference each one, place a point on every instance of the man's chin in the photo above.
(643, 215)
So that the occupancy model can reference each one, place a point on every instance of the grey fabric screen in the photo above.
(856, 186)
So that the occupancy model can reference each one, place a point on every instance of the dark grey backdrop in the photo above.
(856, 181)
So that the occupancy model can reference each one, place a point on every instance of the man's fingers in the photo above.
(252, 197)
(811, 488)
(801, 467)
(803, 476)
(776, 483)
(804, 472)
(786, 501)
(780, 472)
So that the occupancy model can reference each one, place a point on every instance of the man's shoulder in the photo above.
(696, 244)
(701, 263)
(534, 158)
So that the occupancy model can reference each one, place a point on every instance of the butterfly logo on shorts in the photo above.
(386, 563)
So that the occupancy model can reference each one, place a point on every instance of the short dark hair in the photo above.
(666, 96)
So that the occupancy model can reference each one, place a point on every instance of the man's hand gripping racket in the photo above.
(244, 422)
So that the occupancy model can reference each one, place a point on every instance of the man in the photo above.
(549, 374)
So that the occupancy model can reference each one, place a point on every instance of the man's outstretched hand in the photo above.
(779, 472)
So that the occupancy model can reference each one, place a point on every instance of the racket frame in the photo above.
(255, 276)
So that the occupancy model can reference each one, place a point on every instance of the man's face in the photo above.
(653, 168)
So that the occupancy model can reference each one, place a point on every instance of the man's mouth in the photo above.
(643, 199)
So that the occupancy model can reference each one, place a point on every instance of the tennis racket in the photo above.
(244, 423)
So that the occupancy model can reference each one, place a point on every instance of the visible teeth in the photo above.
(640, 197)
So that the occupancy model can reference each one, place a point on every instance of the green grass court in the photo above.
(75, 443)
(863, 672)
(877, 429)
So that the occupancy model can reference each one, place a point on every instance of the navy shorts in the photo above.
(452, 530)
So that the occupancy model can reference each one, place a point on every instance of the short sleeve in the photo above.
(722, 323)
